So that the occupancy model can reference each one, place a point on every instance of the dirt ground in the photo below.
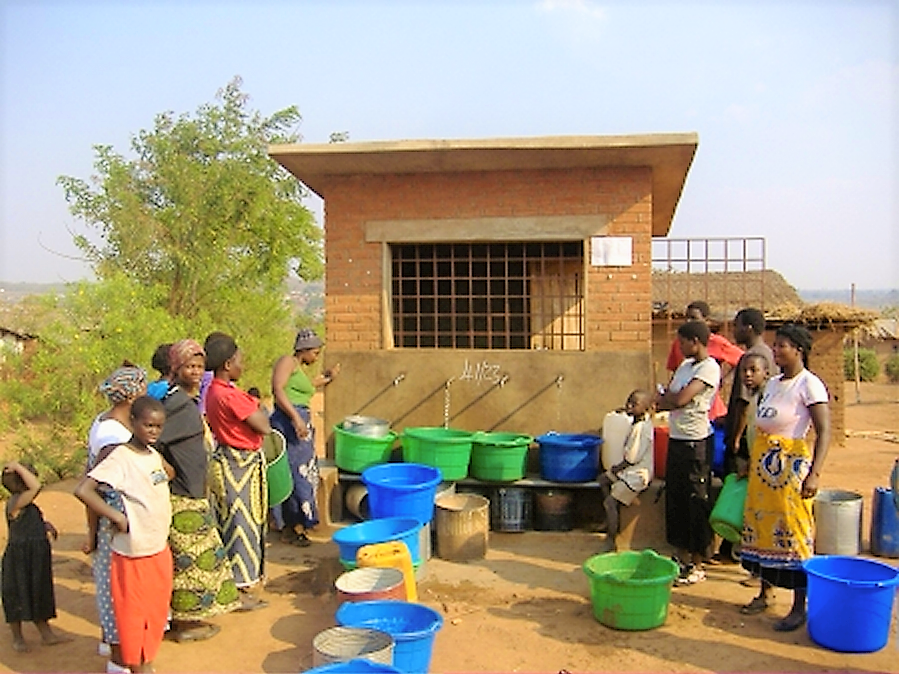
(525, 608)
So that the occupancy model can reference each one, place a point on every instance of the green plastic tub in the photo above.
(354, 453)
(630, 590)
(499, 457)
(448, 449)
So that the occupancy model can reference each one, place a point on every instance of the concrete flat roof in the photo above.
(668, 155)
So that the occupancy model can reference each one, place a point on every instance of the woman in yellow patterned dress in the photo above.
(778, 528)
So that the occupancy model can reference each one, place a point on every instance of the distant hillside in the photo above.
(868, 299)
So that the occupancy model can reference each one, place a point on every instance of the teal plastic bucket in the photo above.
(726, 519)
(850, 602)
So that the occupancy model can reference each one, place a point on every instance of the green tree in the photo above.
(868, 365)
(200, 209)
(197, 230)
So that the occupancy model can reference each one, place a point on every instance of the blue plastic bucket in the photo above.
(402, 490)
(884, 524)
(352, 537)
(357, 666)
(718, 451)
(567, 457)
(850, 602)
(412, 626)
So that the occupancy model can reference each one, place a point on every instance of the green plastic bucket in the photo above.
(277, 468)
(280, 481)
(499, 457)
(630, 590)
(448, 449)
(354, 453)
(726, 519)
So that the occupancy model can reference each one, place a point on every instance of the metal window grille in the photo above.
(488, 296)
(727, 271)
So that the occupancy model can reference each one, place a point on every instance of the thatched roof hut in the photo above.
(726, 292)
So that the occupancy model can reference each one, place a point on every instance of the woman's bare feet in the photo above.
(19, 646)
(51, 638)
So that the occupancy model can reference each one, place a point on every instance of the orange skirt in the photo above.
(141, 591)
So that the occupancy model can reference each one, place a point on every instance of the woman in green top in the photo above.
(293, 388)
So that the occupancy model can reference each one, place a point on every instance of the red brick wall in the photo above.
(619, 300)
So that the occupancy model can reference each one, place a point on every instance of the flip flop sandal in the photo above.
(789, 624)
(756, 606)
(198, 633)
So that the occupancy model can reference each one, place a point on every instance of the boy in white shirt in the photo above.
(633, 474)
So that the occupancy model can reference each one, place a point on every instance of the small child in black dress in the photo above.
(27, 577)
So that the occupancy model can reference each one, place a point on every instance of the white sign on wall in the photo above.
(611, 251)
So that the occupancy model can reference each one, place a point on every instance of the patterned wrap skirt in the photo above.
(778, 526)
(100, 567)
(239, 498)
(301, 507)
(203, 582)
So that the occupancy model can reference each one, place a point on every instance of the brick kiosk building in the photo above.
(500, 284)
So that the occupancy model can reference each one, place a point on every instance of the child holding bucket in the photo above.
(625, 480)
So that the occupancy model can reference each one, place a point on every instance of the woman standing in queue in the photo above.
(689, 472)
(293, 388)
(778, 526)
(203, 582)
(238, 492)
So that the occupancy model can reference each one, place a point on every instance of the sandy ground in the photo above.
(525, 608)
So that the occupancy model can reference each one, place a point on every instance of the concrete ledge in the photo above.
(330, 495)
(643, 522)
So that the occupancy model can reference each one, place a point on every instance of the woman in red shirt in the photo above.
(237, 470)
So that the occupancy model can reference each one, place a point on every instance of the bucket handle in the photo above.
(871, 584)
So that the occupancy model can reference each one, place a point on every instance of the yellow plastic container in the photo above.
(393, 554)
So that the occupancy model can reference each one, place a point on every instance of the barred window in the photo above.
(488, 296)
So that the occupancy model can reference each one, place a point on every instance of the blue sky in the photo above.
(796, 103)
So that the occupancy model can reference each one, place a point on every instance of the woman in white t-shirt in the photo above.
(688, 471)
(778, 526)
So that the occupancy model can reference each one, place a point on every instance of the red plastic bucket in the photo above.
(660, 450)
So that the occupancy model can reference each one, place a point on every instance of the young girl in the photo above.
(141, 570)
(689, 397)
(27, 573)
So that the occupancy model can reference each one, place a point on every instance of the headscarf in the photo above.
(306, 339)
(124, 383)
(182, 351)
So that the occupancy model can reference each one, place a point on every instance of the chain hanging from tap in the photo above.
(446, 402)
